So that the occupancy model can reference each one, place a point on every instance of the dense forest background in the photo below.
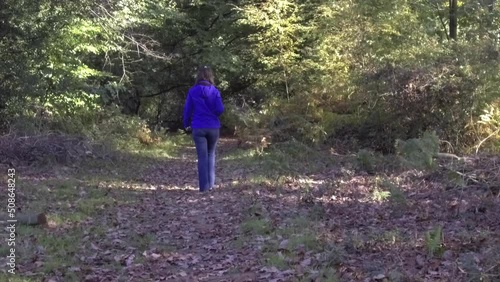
(346, 73)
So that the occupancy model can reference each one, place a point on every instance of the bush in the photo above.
(43, 149)
(487, 129)
(413, 101)
(442, 88)
(234, 118)
(106, 126)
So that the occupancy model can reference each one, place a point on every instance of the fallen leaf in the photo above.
(94, 247)
(119, 258)
(91, 278)
(129, 260)
(283, 245)
(448, 255)
(420, 261)
(306, 262)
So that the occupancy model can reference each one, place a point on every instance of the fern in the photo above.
(397, 196)
(419, 153)
(434, 242)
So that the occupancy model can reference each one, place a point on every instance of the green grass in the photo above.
(260, 179)
(299, 234)
(296, 225)
(66, 217)
(79, 203)
(58, 249)
(277, 260)
(68, 202)
(317, 212)
(256, 226)
(328, 275)
(240, 242)
(93, 205)
(143, 242)
(63, 244)
(239, 155)
(167, 147)
(64, 189)
(324, 275)
(98, 231)
(282, 159)
(7, 277)
(308, 239)
(4, 250)
(390, 237)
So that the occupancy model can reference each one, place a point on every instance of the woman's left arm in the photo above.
(188, 111)
(219, 106)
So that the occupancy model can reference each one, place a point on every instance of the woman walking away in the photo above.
(201, 114)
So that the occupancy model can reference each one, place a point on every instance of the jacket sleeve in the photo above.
(188, 111)
(219, 106)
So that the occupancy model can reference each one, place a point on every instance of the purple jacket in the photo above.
(203, 106)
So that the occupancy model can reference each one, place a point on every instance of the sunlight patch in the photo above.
(310, 181)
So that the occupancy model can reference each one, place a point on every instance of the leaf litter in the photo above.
(175, 233)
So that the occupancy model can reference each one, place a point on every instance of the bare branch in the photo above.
(231, 41)
(441, 18)
(146, 47)
(122, 57)
(165, 91)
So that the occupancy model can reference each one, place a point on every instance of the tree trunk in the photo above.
(453, 19)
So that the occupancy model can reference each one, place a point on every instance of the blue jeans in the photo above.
(205, 140)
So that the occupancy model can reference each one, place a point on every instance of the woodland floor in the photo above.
(273, 218)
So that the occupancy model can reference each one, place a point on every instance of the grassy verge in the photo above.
(373, 218)
(295, 243)
(83, 205)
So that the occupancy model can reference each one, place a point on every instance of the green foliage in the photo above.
(397, 198)
(419, 152)
(488, 129)
(380, 195)
(366, 160)
(256, 226)
(434, 241)
(277, 260)
(348, 73)
(307, 239)
(328, 275)
(386, 190)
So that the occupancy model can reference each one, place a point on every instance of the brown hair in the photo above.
(205, 73)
